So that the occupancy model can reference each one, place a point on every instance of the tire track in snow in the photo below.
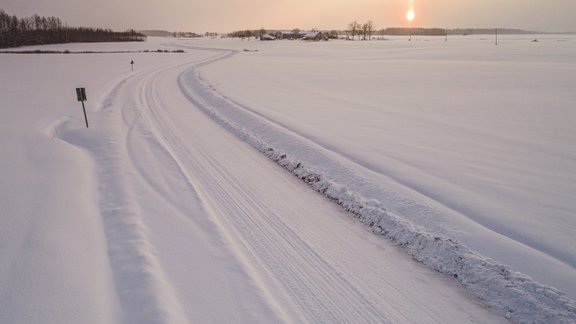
(311, 282)
(320, 293)
(315, 286)
(150, 119)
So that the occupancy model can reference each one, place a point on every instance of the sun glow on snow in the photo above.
(410, 15)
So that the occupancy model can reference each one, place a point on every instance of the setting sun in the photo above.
(410, 15)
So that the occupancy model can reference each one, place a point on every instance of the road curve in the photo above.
(201, 227)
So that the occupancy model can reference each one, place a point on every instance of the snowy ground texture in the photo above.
(459, 152)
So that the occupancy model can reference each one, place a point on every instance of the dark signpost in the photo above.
(81, 95)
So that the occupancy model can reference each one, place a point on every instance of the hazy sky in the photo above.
(229, 15)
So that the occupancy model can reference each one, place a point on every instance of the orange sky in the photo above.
(228, 15)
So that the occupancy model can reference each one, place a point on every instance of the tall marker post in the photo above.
(81, 95)
(132, 64)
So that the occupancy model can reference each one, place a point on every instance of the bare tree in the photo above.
(370, 28)
(367, 30)
(353, 29)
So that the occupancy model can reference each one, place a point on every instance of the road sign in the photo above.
(81, 94)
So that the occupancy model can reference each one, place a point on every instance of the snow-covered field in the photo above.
(460, 153)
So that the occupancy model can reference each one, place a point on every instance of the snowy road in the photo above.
(201, 227)
(166, 210)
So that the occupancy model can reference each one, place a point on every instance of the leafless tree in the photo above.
(367, 30)
(353, 29)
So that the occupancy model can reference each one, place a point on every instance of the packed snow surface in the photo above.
(459, 153)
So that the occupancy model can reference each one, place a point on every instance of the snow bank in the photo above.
(517, 296)
(143, 290)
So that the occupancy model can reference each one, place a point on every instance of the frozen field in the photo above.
(460, 153)
(464, 138)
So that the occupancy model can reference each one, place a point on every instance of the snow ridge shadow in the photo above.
(515, 295)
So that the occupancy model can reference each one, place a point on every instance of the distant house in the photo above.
(315, 36)
(267, 37)
(289, 35)
(303, 35)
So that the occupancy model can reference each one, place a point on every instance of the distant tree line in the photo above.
(248, 33)
(365, 31)
(180, 34)
(37, 30)
(243, 34)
